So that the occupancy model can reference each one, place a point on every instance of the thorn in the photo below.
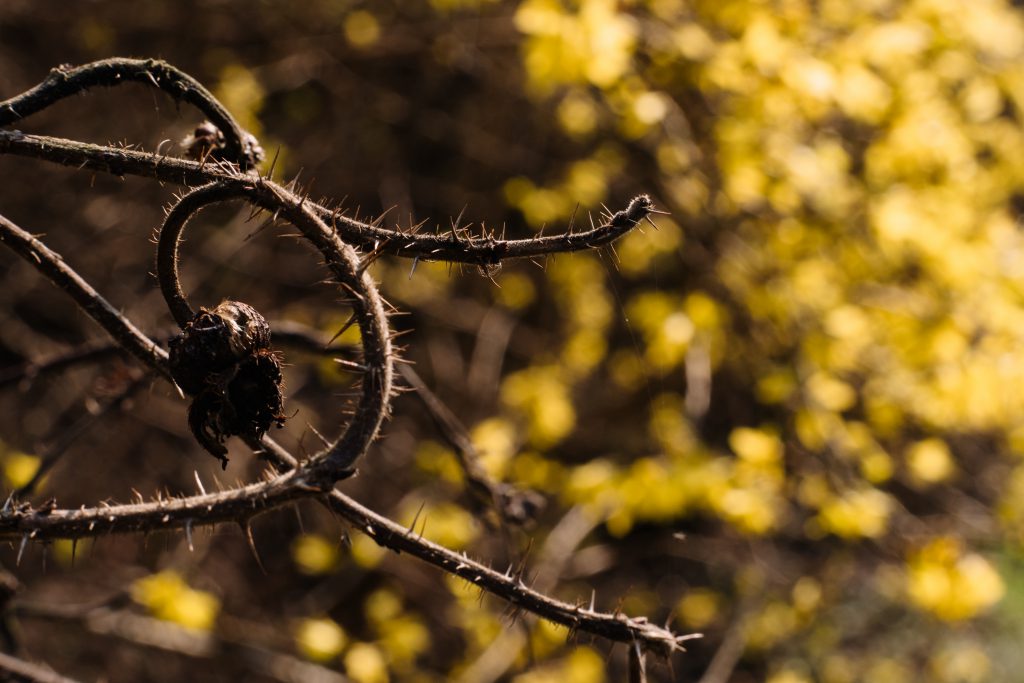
(247, 530)
(369, 259)
(199, 482)
(74, 551)
(458, 221)
(21, 549)
(615, 257)
(376, 222)
(415, 262)
(342, 331)
(320, 436)
(352, 365)
(351, 290)
(415, 519)
(188, 535)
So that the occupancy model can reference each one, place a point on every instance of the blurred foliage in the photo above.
(168, 597)
(791, 413)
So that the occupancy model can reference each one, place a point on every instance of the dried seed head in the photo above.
(214, 342)
(204, 141)
(207, 142)
(223, 358)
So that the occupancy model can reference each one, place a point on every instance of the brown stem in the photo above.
(482, 251)
(15, 669)
(64, 81)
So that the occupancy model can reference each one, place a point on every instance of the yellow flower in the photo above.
(320, 639)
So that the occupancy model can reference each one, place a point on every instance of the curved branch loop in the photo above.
(64, 81)
(338, 459)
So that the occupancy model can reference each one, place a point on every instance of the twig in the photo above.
(20, 670)
(482, 251)
(239, 146)
(510, 587)
(729, 651)
(513, 505)
(558, 548)
(637, 664)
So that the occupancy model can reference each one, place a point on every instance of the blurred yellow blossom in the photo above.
(952, 584)
(168, 597)
(320, 639)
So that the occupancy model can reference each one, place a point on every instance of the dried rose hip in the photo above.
(222, 358)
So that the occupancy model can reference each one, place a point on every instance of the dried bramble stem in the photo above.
(338, 459)
(15, 669)
(482, 251)
(508, 585)
(64, 81)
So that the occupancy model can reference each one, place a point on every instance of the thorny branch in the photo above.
(65, 81)
(336, 236)
(456, 246)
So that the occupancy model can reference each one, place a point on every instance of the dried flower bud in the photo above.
(223, 359)
(206, 140)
